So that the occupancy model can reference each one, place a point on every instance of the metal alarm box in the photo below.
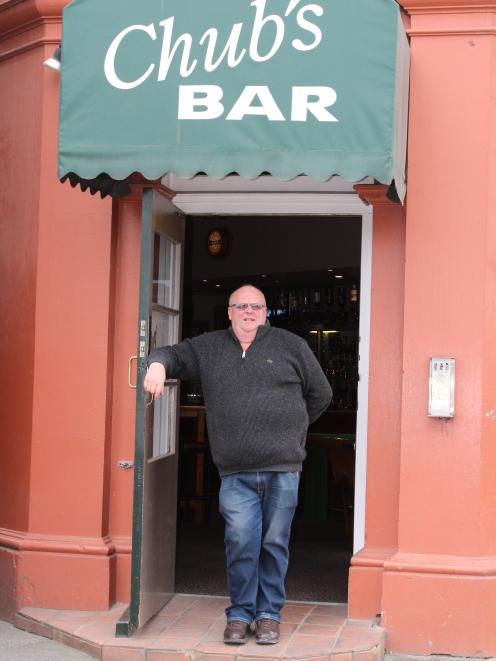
(442, 388)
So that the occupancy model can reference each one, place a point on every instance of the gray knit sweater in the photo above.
(258, 406)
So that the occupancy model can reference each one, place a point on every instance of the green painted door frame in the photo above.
(155, 463)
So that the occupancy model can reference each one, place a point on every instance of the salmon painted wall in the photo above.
(56, 256)
(439, 591)
(18, 81)
(69, 316)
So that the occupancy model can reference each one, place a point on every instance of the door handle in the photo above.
(129, 367)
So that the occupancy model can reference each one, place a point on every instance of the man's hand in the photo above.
(154, 380)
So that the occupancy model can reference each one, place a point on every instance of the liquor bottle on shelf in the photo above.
(328, 302)
(353, 311)
(315, 307)
(271, 304)
(304, 307)
(282, 304)
(293, 304)
(341, 298)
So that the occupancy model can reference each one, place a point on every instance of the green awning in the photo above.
(289, 87)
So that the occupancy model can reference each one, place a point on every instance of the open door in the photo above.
(155, 476)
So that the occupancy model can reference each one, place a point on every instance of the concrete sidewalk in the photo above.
(17, 645)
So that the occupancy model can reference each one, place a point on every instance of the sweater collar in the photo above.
(261, 332)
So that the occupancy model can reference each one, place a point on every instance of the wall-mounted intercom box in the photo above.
(442, 388)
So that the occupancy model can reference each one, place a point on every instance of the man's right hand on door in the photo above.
(154, 380)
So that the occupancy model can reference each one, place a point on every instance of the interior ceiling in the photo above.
(300, 279)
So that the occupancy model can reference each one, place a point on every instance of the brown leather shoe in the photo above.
(236, 632)
(267, 632)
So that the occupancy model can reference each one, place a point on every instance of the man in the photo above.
(262, 387)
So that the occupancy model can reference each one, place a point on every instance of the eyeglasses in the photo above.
(245, 306)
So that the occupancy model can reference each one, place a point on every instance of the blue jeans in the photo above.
(258, 510)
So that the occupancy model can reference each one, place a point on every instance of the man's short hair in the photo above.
(247, 284)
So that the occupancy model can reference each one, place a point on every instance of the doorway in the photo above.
(310, 271)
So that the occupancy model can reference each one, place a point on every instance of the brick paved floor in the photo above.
(189, 628)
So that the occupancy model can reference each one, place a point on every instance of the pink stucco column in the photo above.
(55, 251)
(384, 406)
(439, 589)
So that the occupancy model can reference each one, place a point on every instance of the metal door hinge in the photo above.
(125, 463)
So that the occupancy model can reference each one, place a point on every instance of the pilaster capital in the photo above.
(374, 194)
(17, 13)
(444, 18)
(138, 183)
(447, 6)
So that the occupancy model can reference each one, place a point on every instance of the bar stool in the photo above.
(198, 481)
